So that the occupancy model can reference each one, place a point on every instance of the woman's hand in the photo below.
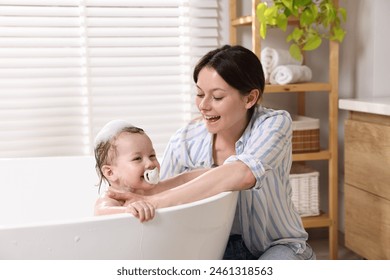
(143, 210)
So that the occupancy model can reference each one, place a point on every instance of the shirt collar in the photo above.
(248, 130)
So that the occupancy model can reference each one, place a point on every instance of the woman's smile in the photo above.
(210, 118)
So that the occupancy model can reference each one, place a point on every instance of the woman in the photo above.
(249, 147)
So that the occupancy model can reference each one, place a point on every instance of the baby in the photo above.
(126, 160)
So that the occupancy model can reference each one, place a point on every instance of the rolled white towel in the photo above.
(266, 75)
(289, 74)
(272, 58)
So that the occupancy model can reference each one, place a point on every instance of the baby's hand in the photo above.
(143, 210)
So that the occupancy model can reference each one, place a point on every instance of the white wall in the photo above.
(364, 69)
(364, 57)
(381, 45)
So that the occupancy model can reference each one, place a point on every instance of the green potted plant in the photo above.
(317, 20)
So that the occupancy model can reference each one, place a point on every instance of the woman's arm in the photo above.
(233, 176)
(162, 186)
(228, 177)
(177, 180)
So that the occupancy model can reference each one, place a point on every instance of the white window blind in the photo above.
(67, 67)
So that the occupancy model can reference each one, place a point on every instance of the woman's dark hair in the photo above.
(238, 66)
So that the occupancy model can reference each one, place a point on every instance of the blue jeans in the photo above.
(236, 250)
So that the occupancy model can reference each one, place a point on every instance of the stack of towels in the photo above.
(280, 68)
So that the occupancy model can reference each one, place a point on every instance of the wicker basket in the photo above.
(304, 183)
(306, 134)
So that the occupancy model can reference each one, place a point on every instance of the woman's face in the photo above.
(223, 108)
(135, 155)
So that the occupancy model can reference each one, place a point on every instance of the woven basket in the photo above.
(304, 183)
(306, 134)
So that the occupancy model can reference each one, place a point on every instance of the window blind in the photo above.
(68, 67)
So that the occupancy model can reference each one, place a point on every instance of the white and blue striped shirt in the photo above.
(265, 214)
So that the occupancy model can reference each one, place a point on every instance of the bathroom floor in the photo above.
(318, 240)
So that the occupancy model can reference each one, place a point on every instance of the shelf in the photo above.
(322, 220)
(242, 21)
(321, 155)
(247, 20)
(303, 87)
(330, 87)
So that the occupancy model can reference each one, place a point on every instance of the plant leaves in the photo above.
(314, 10)
(338, 34)
(302, 3)
(295, 52)
(329, 13)
(306, 18)
(288, 4)
(260, 9)
(316, 21)
(313, 42)
(343, 14)
(287, 12)
(270, 15)
(282, 21)
(297, 34)
(263, 30)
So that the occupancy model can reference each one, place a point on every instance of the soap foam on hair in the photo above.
(109, 130)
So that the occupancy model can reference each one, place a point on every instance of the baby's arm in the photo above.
(143, 210)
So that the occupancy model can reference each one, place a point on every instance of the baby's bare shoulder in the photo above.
(105, 200)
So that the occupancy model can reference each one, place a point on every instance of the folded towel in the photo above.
(288, 74)
(266, 75)
(272, 58)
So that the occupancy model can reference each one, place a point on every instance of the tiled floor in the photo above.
(318, 240)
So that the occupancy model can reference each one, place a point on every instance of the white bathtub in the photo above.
(46, 212)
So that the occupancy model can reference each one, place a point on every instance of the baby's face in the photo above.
(135, 154)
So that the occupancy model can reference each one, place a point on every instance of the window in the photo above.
(67, 67)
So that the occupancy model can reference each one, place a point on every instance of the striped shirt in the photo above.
(265, 214)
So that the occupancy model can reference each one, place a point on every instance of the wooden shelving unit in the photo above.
(324, 220)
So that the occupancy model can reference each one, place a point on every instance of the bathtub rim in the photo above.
(93, 218)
